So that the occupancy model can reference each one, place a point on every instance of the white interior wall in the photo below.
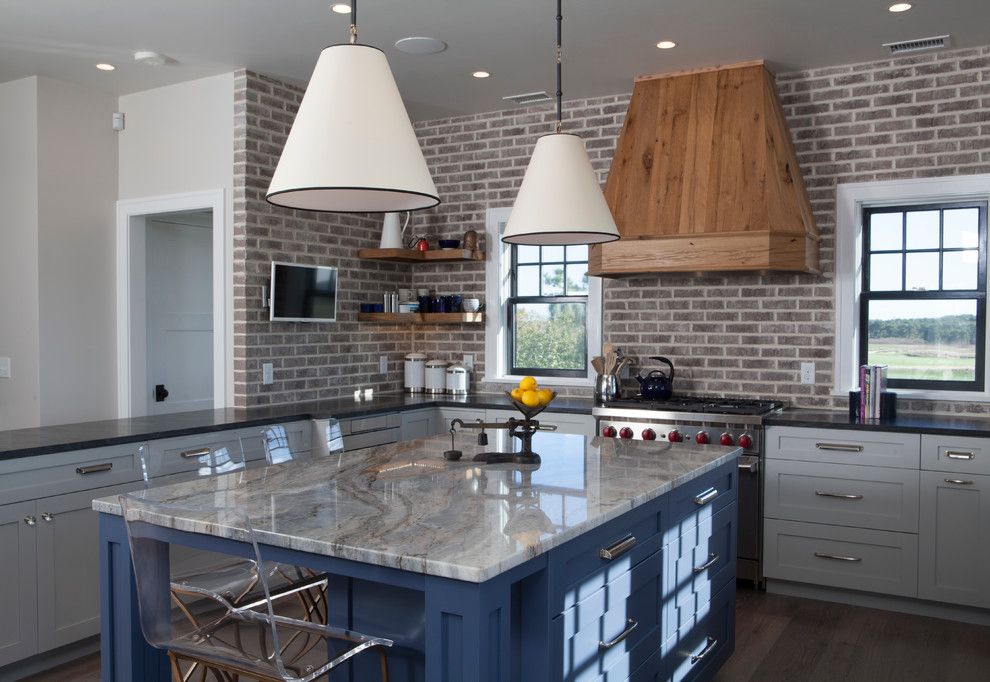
(19, 395)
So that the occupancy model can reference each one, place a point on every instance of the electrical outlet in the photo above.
(469, 361)
(267, 373)
(807, 372)
(5, 368)
(383, 364)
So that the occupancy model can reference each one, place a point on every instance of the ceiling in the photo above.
(606, 42)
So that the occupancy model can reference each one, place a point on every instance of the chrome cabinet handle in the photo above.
(837, 557)
(706, 497)
(712, 558)
(960, 454)
(958, 481)
(839, 447)
(712, 643)
(30, 520)
(751, 467)
(605, 646)
(48, 516)
(197, 452)
(94, 468)
(618, 549)
(841, 496)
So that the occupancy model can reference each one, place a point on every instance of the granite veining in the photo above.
(405, 507)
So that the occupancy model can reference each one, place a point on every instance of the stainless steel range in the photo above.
(703, 420)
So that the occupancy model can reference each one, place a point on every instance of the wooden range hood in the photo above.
(705, 178)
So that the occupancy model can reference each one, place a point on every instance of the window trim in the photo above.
(851, 199)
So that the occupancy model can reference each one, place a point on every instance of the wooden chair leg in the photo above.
(383, 659)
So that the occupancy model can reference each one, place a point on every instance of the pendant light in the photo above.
(560, 200)
(352, 147)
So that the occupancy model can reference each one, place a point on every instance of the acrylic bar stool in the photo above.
(279, 450)
(255, 643)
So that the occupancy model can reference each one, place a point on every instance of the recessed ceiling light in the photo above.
(481, 74)
(106, 67)
(900, 7)
(420, 45)
(340, 8)
(666, 44)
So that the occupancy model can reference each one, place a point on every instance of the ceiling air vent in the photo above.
(919, 45)
(529, 97)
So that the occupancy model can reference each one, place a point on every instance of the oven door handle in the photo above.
(750, 464)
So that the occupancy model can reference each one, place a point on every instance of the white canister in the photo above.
(458, 379)
(436, 376)
(415, 372)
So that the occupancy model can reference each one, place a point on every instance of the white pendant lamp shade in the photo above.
(352, 147)
(560, 200)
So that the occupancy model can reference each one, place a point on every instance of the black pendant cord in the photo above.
(560, 91)
(353, 28)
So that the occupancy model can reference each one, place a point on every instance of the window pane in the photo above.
(528, 280)
(922, 230)
(962, 228)
(553, 254)
(553, 280)
(931, 340)
(550, 336)
(577, 253)
(885, 272)
(885, 231)
(922, 271)
(527, 254)
(960, 269)
(577, 279)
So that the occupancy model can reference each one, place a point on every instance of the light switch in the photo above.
(469, 361)
(4, 368)
(267, 373)
(807, 372)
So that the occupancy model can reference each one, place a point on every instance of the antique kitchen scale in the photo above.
(523, 429)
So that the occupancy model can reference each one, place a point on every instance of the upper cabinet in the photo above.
(705, 178)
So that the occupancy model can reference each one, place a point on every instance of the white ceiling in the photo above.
(606, 42)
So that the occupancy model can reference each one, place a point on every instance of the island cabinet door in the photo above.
(704, 643)
(954, 538)
(18, 576)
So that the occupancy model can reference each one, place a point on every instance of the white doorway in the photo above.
(171, 293)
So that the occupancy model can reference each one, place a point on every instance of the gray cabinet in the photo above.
(18, 583)
(578, 424)
(955, 538)
(419, 424)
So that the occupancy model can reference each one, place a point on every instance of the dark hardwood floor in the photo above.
(784, 639)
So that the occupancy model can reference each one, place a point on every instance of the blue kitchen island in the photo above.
(611, 560)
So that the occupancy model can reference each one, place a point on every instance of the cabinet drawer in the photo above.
(701, 498)
(28, 478)
(609, 633)
(357, 441)
(837, 494)
(955, 453)
(703, 644)
(854, 558)
(699, 564)
(177, 455)
(373, 423)
(838, 446)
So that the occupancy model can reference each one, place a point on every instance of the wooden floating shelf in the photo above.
(415, 256)
(423, 318)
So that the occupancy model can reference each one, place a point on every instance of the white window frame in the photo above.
(497, 291)
(851, 199)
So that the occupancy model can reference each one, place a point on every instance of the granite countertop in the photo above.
(65, 437)
(404, 506)
(910, 423)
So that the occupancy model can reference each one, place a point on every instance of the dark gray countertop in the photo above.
(910, 423)
(64, 437)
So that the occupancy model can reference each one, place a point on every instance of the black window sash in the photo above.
(511, 329)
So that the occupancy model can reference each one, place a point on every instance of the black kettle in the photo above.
(656, 385)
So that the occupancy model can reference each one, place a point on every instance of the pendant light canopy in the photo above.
(560, 200)
(352, 147)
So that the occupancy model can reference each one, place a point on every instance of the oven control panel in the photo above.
(743, 436)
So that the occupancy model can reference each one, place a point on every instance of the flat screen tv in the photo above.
(303, 293)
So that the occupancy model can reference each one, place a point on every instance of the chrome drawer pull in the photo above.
(960, 454)
(605, 646)
(712, 558)
(30, 520)
(48, 516)
(839, 447)
(841, 496)
(198, 452)
(618, 549)
(837, 557)
(706, 497)
(94, 468)
(712, 643)
(958, 481)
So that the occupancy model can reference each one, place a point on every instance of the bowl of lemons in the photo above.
(529, 398)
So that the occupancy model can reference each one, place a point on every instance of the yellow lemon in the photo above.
(516, 393)
(527, 384)
(546, 395)
(531, 399)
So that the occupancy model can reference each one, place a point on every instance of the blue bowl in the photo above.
(449, 243)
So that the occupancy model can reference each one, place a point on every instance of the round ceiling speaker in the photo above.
(420, 45)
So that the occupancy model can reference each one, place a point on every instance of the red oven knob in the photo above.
(609, 432)
(701, 438)
(745, 441)
(625, 432)
(725, 439)
(649, 434)
(675, 436)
